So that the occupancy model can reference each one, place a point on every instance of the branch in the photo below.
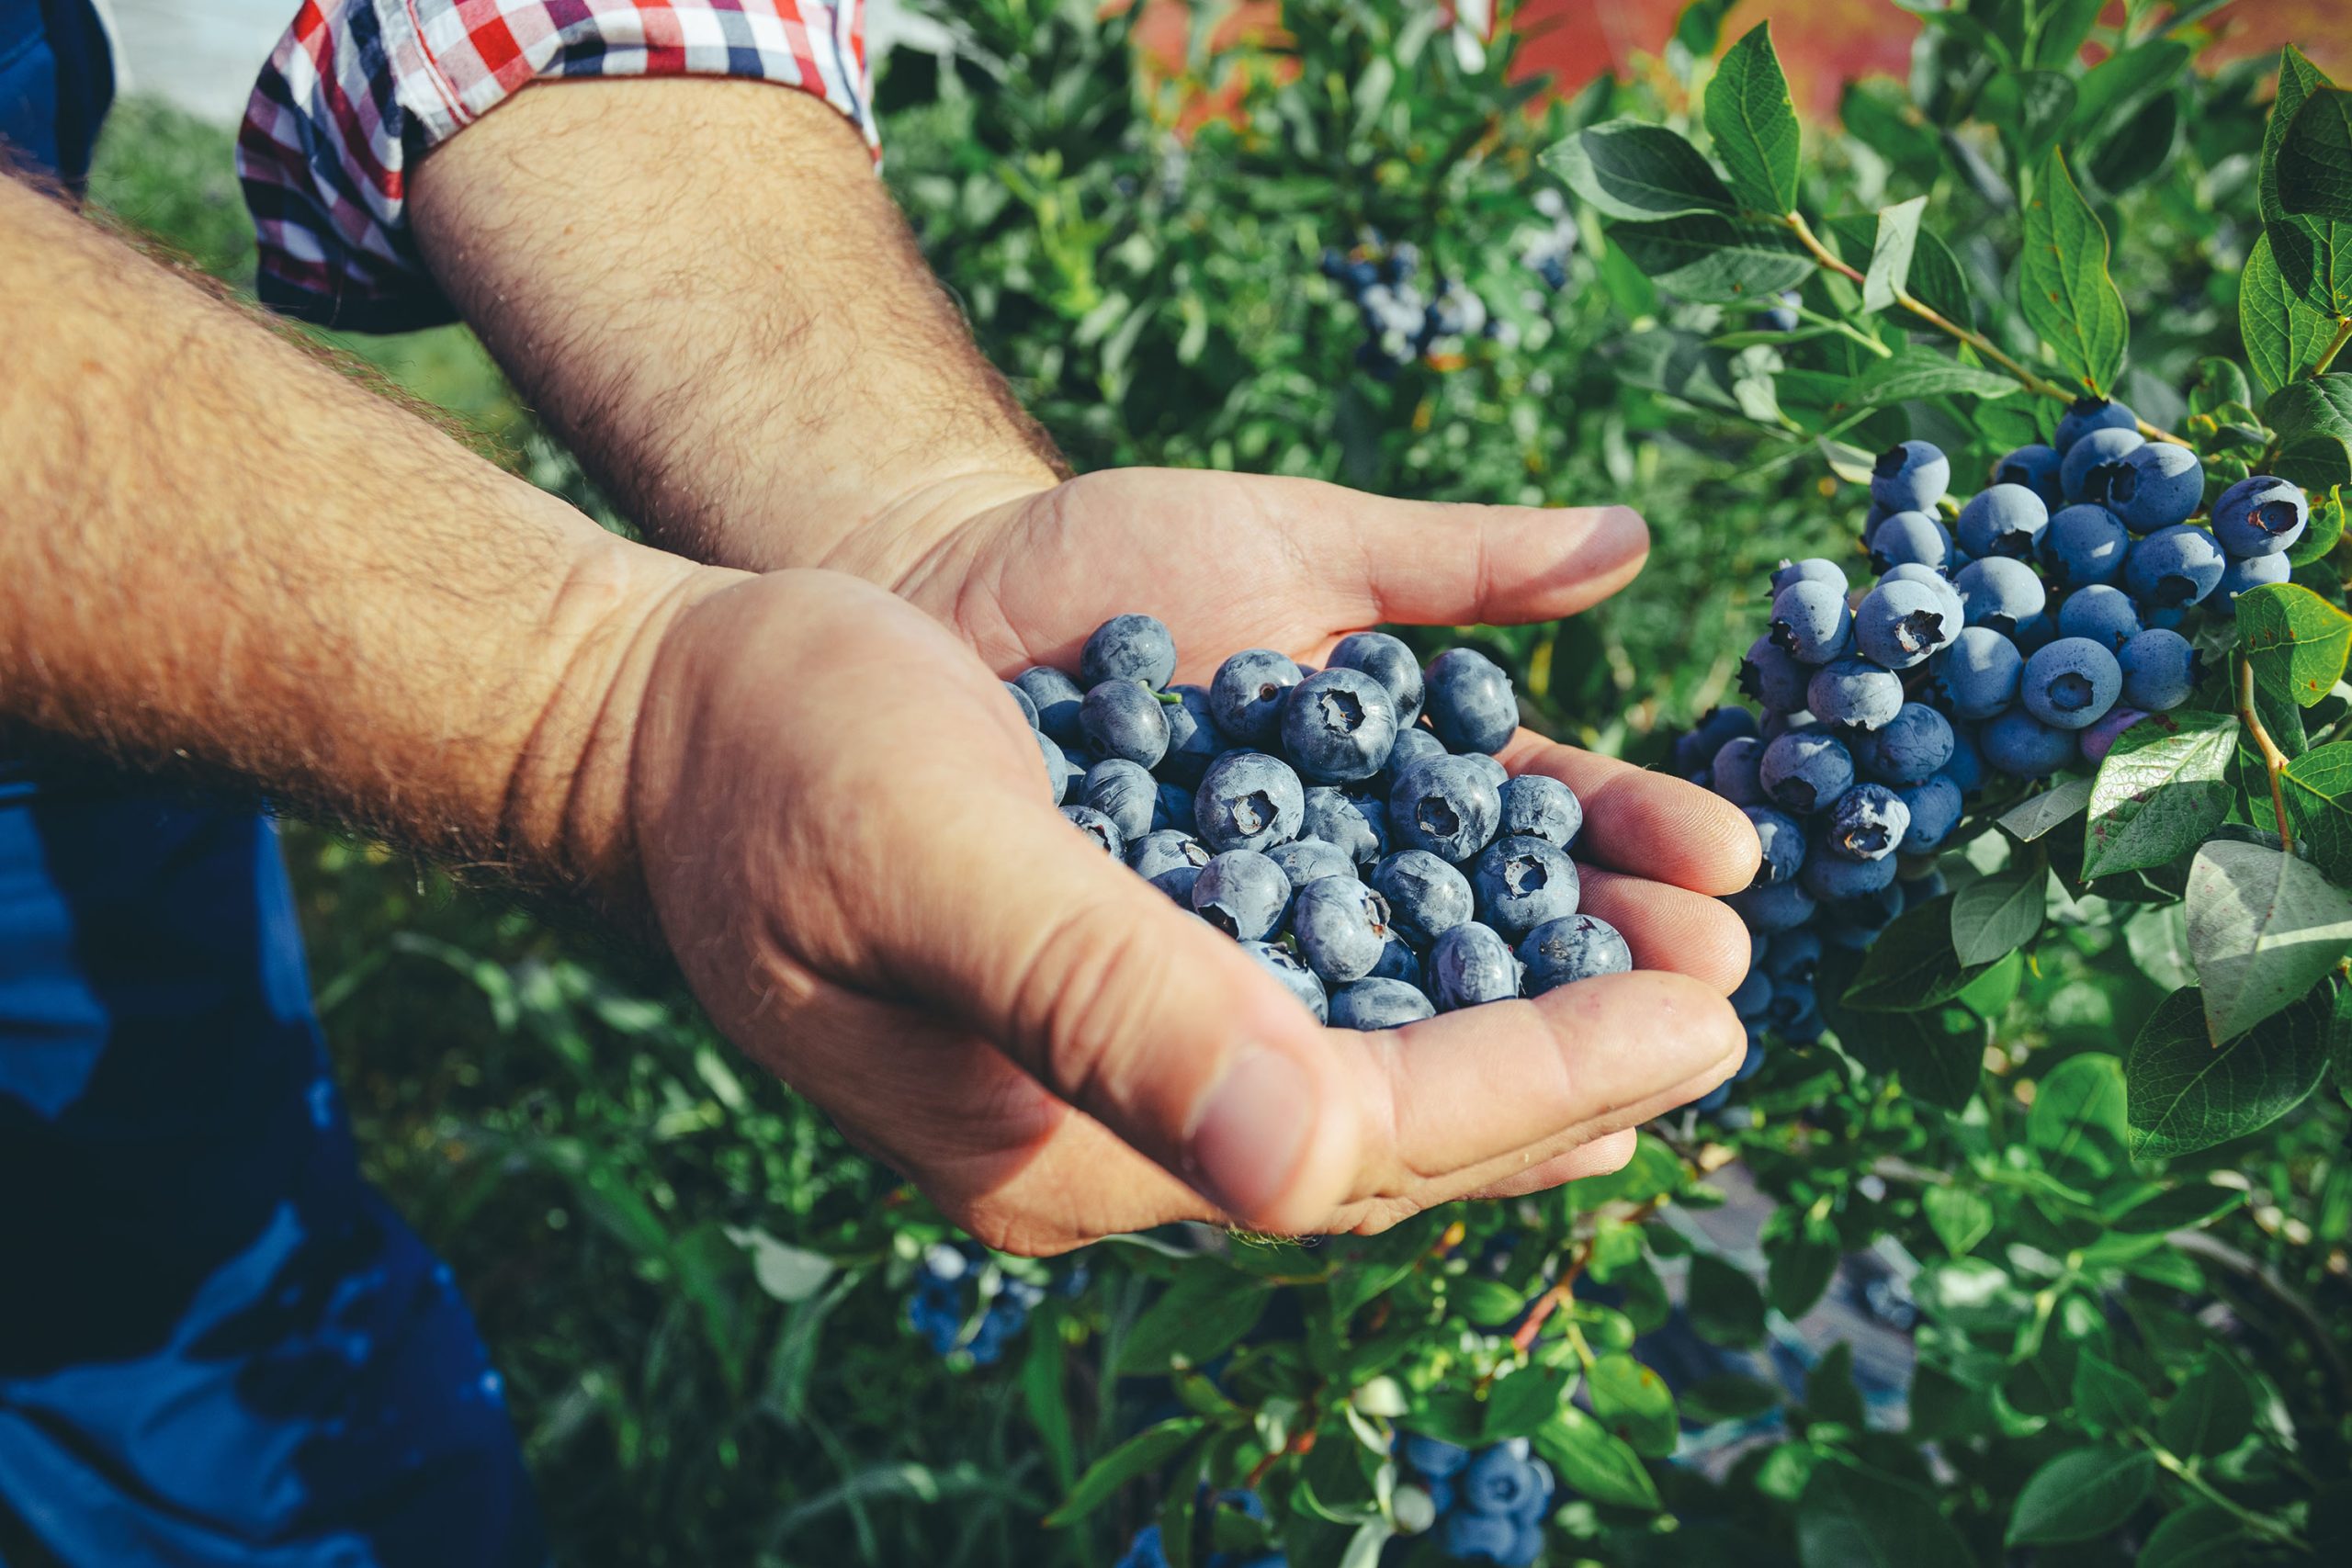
(2335, 347)
(2273, 759)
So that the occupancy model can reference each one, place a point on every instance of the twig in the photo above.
(2336, 346)
(2273, 759)
(1550, 1301)
(2221, 1254)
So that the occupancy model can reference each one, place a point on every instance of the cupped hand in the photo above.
(843, 825)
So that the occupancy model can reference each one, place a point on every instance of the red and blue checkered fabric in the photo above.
(359, 89)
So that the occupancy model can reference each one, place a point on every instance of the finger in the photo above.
(1647, 823)
(1669, 928)
(1469, 1090)
(1602, 1156)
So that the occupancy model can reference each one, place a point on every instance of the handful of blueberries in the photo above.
(1350, 827)
(2016, 634)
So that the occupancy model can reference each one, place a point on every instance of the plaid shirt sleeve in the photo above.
(358, 90)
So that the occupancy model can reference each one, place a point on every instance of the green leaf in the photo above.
(2284, 337)
(1708, 256)
(2317, 786)
(2298, 80)
(786, 1272)
(1590, 1461)
(1998, 915)
(2163, 788)
(2315, 157)
(2319, 405)
(1753, 123)
(1799, 1268)
(2263, 928)
(1626, 169)
(1724, 1305)
(2052, 808)
(1140, 1455)
(2218, 384)
(2033, 105)
(1829, 1391)
(2324, 532)
(1939, 1053)
(1201, 1314)
(2069, 299)
(1523, 1401)
(2296, 640)
(1634, 1403)
(2318, 463)
(2077, 1113)
(1913, 965)
(2080, 1495)
(1889, 272)
(2212, 1414)
(2199, 1536)
(1912, 373)
(1961, 1217)
(2106, 1397)
(2189, 1206)
(2185, 1093)
(1851, 1517)
(1728, 1397)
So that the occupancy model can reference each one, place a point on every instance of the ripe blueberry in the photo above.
(1246, 694)
(1125, 718)
(1338, 726)
(1521, 883)
(1575, 947)
(1447, 806)
(1242, 894)
(1471, 965)
(1128, 648)
(2260, 516)
(1387, 661)
(1470, 705)
(1248, 801)
(1379, 1003)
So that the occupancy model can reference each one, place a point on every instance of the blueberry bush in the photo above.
(1995, 441)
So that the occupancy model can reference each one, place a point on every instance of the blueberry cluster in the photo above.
(1403, 324)
(1486, 1507)
(1150, 1549)
(1350, 827)
(1547, 252)
(2015, 634)
(947, 1308)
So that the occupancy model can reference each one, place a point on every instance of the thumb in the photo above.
(1130, 1008)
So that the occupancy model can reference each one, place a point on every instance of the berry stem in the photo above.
(2273, 759)
(2335, 347)
(1795, 222)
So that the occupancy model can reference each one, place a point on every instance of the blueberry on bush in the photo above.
(1909, 475)
(2260, 516)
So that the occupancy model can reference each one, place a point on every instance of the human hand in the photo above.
(843, 828)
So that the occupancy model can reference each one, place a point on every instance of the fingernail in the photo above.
(1248, 1133)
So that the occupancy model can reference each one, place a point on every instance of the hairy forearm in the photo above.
(223, 556)
(706, 290)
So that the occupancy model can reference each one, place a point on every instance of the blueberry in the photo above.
(2035, 467)
(1488, 768)
(1470, 705)
(1540, 806)
(1911, 539)
(1856, 693)
(1782, 838)
(1125, 793)
(1426, 896)
(1242, 894)
(2243, 574)
(1871, 518)
(1813, 568)
(1916, 743)
(1398, 961)
(1359, 826)
(2070, 684)
(1339, 727)
(2037, 632)
(2084, 544)
(1164, 849)
(1193, 739)
(2260, 516)
(1099, 828)
(2023, 747)
(1248, 801)
(1811, 622)
(2088, 414)
(1935, 582)
(1935, 806)
(1901, 623)
(2000, 593)
(1469, 964)
(2100, 737)
(1379, 1002)
(1776, 725)
(1505, 1481)
(2105, 616)
(1125, 718)
(1779, 907)
(1805, 770)
(1412, 745)
(1387, 661)
(2161, 485)
(1867, 821)
(1246, 695)
(1773, 678)
(1831, 877)
(1910, 476)
(1732, 772)
(2160, 670)
(2094, 464)
(1278, 961)
(2174, 567)
(1057, 768)
(1433, 1456)
(1021, 700)
(1575, 947)
(1128, 648)
(1309, 860)
(1966, 768)
(1753, 994)
(1341, 927)
(1175, 808)
(1521, 883)
(1056, 698)
(1177, 881)
(2005, 520)
(1446, 806)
